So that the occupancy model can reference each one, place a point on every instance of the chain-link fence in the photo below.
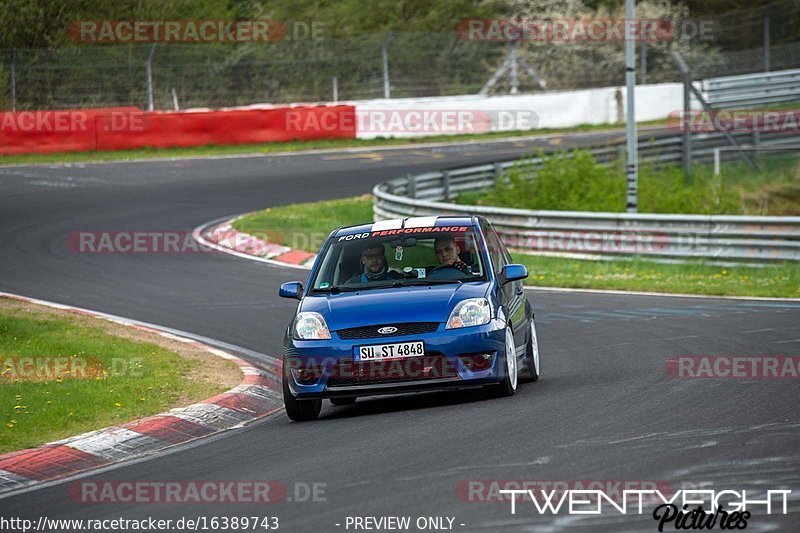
(375, 66)
(416, 65)
(715, 64)
(234, 75)
(757, 39)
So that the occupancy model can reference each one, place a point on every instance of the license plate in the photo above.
(379, 352)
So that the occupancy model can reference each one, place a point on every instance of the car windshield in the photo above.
(397, 258)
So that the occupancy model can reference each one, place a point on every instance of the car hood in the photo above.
(392, 305)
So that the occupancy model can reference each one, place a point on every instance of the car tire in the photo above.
(532, 355)
(508, 386)
(348, 400)
(299, 410)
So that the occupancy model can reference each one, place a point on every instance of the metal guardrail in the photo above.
(753, 89)
(717, 237)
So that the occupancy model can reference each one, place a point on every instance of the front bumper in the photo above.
(333, 372)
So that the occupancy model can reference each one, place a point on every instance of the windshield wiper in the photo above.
(396, 284)
(336, 289)
(411, 283)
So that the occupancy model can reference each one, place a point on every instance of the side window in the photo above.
(495, 247)
(506, 254)
(503, 249)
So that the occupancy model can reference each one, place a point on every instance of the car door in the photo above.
(512, 295)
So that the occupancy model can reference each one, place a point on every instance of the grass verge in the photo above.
(63, 374)
(305, 227)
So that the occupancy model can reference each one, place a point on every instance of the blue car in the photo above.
(408, 305)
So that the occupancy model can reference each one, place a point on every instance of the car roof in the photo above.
(407, 223)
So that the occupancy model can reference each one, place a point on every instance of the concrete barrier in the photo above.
(129, 128)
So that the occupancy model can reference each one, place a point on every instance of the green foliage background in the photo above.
(44, 23)
(573, 181)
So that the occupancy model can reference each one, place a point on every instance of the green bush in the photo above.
(669, 190)
(576, 182)
(564, 182)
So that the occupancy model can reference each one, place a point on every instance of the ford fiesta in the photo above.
(415, 304)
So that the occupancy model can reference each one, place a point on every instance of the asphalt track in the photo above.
(605, 408)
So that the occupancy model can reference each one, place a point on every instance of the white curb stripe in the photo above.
(117, 444)
(257, 391)
(211, 415)
(9, 480)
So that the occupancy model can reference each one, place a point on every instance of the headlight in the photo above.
(470, 312)
(310, 326)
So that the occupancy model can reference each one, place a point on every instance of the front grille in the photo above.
(347, 372)
(370, 332)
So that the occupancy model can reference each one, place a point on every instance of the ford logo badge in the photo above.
(387, 330)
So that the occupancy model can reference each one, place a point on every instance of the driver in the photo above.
(376, 268)
(447, 251)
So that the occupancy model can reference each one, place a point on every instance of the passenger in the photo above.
(376, 268)
(447, 251)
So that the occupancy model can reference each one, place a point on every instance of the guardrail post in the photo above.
(446, 185)
(498, 172)
(756, 143)
(643, 58)
(687, 109)
(632, 165)
(13, 79)
(385, 60)
(411, 186)
(150, 102)
(766, 44)
(514, 75)
(687, 131)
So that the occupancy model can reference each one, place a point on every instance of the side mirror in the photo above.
(513, 272)
(291, 289)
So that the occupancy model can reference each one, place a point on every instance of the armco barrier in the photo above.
(750, 90)
(128, 128)
(743, 238)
